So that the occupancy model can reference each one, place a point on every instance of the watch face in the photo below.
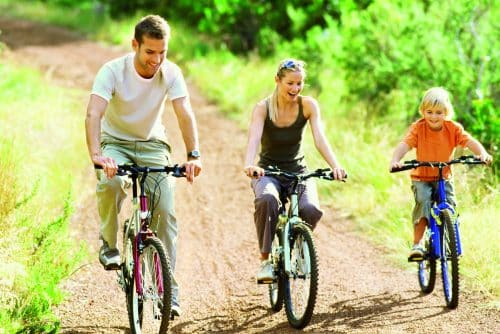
(194, 154)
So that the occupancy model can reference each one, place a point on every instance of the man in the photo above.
(124, 124)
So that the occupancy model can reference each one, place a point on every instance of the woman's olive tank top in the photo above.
(281, 146)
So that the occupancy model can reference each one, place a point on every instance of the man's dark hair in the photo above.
(152, 26)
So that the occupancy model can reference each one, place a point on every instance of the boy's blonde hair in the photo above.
(285, 66)
(437, 97)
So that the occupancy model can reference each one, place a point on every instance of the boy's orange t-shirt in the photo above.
(432, 145)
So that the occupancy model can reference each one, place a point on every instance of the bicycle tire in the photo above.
(276, 289)
(449, 260)
(427, 268)
(150, 312)
(299, 308)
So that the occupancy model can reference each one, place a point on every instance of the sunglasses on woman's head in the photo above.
(290, 65)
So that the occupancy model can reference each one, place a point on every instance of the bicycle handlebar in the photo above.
(465, 159)
(322, 173)
(127, 169)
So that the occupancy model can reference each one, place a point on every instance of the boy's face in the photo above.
(434, 117)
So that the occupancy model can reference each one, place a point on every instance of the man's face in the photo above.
(149, 55)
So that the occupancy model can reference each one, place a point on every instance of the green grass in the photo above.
(42, 146)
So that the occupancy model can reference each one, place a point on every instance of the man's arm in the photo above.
(189, 130)
(95, 111)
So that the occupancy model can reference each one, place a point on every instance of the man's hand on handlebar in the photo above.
(108, 165)
(193, 169)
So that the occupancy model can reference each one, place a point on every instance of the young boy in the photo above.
(435, 137)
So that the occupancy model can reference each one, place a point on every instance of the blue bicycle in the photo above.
(442, 237)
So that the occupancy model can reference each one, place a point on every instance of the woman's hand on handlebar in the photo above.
(254, 171)
(338, 173)
(108, 164)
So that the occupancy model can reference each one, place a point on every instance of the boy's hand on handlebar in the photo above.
(193, 169)
(485, 157)
(254, 172)
(394, 165)
(108, 164)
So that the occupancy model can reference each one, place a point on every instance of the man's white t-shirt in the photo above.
(135, 104)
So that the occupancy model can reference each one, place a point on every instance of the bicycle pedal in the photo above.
(112, 266)
(415, 259)
(266, 281)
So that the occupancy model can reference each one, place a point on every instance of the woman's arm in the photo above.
(312, 112)
(254, 136)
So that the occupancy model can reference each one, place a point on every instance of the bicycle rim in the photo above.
(427, 269)
(276, 289)
(301, 285)
(449, 261)
(150, 311)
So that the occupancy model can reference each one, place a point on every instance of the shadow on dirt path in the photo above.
(360, 292)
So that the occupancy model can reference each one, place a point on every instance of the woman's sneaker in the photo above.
(416, 253)
(109, 257)
(265, 274)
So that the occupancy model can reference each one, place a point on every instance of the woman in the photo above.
(277, 124)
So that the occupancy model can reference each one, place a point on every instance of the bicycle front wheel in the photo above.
(150, 294)
(301, 286)
(276, 289)
(427, 267)
(449, 260)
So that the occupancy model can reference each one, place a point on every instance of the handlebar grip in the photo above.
(400, 169)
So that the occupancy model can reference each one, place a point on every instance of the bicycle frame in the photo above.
(140, 219)
(434, 221)
(288, 218)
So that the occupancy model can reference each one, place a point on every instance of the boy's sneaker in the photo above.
(265, 274)
(416, 253)
(109, 257)
(175, 310)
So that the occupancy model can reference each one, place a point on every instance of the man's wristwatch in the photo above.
(194, 154)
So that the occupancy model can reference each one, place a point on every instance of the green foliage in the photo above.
(36, 252)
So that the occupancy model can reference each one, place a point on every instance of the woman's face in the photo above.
(290, 85)
(434, 117)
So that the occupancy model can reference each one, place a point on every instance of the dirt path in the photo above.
(359, 290)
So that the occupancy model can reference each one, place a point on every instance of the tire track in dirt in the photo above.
(360, 291)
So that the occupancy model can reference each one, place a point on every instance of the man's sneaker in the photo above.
(109, 257)
(175, 310)
(265, 274)
(416, 253)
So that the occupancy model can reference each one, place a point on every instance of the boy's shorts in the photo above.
(424, 193)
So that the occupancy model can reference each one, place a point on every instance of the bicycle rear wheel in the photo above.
(149, 308)
(276, 289)
(301, 286)
(449, 260)
(427, 267)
